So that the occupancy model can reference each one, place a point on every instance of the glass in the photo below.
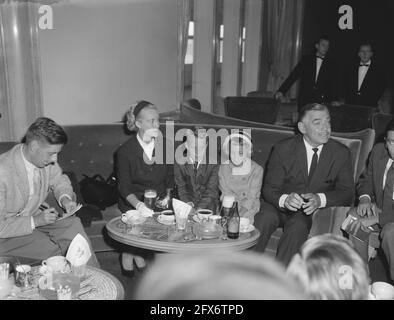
(79, 271)
(23, 276)
(181, 221)
(150, 196)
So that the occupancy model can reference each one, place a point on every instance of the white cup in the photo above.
(56, 263)
(204, 214)
(167, 216)
(228, 201)
(382, 290)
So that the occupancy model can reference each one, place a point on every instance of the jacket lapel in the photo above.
(381, 167)
(21, 174)
(300, 152)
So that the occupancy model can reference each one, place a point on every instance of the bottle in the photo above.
(225, 212)
(233, 223)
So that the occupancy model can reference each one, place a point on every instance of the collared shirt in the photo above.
(147, 146)
(318, 66)
(388, 165)
(309, 155)
(32, 170)
(362, 71)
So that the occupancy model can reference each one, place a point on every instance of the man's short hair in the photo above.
(323, 37)
(309, 107)
(364, 44)
(327, 259)
(46, 129)
(390, 127)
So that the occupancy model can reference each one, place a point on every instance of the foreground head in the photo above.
(330, 269)
(43, 141)
(365, 52)
(143, 118)
(222, 276)
(389, 139)
(314, 123)
(322, 46)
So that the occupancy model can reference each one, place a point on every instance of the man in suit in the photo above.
(375, 191)
(364, 80)
(28, 172)
(317, 74)
(305, 172)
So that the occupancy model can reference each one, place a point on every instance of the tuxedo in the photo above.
(371, 184)
(371, 89)
(322, 89)
(287, 172)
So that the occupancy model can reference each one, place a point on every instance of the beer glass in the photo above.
(150, 198)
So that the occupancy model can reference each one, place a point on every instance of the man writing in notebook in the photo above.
(28, 172)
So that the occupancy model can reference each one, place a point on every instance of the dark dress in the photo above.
(135, 175)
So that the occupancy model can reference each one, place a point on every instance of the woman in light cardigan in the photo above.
(241, 177)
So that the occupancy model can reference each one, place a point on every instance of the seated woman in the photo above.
(137, 169)
(197, 178)
(329, 268)
(241, 177)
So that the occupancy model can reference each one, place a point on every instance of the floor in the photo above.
(109, 261)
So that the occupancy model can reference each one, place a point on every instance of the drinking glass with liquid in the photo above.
(150, 197)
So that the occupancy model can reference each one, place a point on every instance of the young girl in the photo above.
(241, 177)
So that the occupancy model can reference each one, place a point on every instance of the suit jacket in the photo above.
(14, 192)
(371, 89)
(287, 172)
(323, 90)
(371, 181)
(200, 187)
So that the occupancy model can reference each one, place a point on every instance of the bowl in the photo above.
(207, 230)
(132, 217)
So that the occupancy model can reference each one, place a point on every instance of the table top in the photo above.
(96, 285)
(163, 238)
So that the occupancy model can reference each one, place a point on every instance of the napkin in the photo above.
(78, 252)
(181, 208)
(66, 215)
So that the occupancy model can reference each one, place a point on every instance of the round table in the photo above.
(97, 285)
(155, 236)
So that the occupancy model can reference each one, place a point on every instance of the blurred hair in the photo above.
(235, 275)
(308, 107)
(365, 43)
(132, 115)
(322, 265)
(242, 138)
(323, 37)
(390, 127)
(45, 129)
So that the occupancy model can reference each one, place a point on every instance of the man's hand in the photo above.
(365, 207)
(366, 222)
(293, 202)
(312, 204)
(69, 205)
(47, 216)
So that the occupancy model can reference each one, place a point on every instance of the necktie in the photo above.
(364, 64)
(313, 164)
(319, 58)
(387, 207)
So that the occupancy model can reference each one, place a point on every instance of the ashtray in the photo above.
(207, 230)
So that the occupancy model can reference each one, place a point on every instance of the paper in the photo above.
(78, 252)
(66, 215)
(181, 208)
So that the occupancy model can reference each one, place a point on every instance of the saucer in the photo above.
(165, 222)
(249, 228)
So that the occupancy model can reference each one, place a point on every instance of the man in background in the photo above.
(317, 74)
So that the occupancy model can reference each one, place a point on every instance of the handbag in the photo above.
(99, 192)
